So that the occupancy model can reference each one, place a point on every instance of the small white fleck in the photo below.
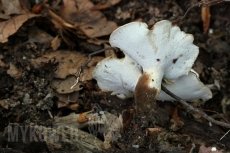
(135, 146)
(213, 149)
(210, 31)
(210, 123)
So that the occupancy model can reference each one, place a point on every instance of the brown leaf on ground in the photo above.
(91, 23)
(36, 35)
(11, 26)
(14, 72)
(12, 7)
(64, 86)
(69, 62)
(55, 43)
(205, 15)
(107, 4)
(65, 99)
(4, 104)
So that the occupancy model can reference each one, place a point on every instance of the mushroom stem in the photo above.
(147, 90)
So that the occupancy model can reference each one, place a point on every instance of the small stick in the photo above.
(82, 67)
(203, 3)
(190, 107)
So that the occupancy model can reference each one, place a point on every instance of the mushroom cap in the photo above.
(163, 48)
(117, 75)
(120, 76)
(187, 87)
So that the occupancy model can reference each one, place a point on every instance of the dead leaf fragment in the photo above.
(91, 23)
(4, 104)
(107, 4)
(205, 15)
(82, 118)
(14, 72)
(64, 86)
(55, 43)
(64, 100)
(69, 62)
(12, 7)
(11, 26)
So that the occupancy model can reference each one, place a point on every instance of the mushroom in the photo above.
(120, 76)
(117, 75)
(164, 51)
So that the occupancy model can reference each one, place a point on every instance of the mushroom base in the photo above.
(145, 96)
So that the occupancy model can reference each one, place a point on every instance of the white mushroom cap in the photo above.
(164, 51)
(120, 76)
(117, 75)
(187, 87)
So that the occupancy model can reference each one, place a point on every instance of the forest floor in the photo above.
(42, 47)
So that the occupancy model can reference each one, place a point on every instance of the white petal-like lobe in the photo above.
(164, 47)
(118, 76)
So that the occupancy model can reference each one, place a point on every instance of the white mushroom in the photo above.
(164, 51)
(120, 77)
(117, 75)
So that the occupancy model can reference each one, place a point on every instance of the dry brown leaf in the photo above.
(64, 86)
(65, 99)
(73, 106)
(82, 117)
(107, 4)
(69, 62)
(39, 36)
(14, 72)
(4, 104)
(92, 23)
(11, 26)
(205, 16)
(55, 43)
(12, 7)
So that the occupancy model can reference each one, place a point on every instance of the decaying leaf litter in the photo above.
(43, 46)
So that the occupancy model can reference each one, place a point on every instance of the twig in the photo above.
(224, 134)
(81, 68)
(203, 3)
(190, 107)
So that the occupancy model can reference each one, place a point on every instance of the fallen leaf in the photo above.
(65, 99)
(12, 7)
(55, 43)
(36, 35)
(4, 104)
(91, 23)
(205, 16)
(73, 106)
(82, 117)
(14, 72)
(64, 86)
(107, 4)
(11, 26)
(69, 62)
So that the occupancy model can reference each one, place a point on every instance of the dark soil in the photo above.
(28, 105)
